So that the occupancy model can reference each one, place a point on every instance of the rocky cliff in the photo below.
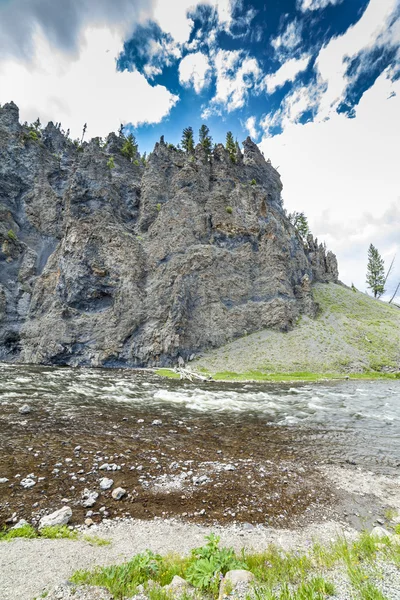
(137, 264)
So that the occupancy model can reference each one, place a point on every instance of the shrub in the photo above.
(253, 182)
(33, 135)
(111, 163)
(12, 235)
(158, 207)
(229, 210)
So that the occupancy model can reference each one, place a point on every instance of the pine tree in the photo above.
(300, 223)
(205, 139)
(129, 148)
(231, 146)
(188, 139)
(375, 272)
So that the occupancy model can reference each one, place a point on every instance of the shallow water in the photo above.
(159, 430)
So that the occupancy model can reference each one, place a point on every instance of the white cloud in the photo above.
(250, 125)
(341, 170)
(288, 41)
(236, 75)
(87, 89)
(331, 62)
(194, 69)
(287, 72)
(305, 5)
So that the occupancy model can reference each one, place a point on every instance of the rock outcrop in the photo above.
(137, 264)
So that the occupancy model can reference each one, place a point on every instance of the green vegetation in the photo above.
(111, 163)
(205, 139)
(353, 335)
(375, 272)
(253, 182)
(12, 235)
(55, 532)
(231, 146)
(158, 207)
(279, 575)
(129, 148)
(229, 210)
(167, 373)
(300, 223)
(188, 140)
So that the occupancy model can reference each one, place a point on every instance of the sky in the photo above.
(315, 83)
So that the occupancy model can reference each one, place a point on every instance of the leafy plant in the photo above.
(12, 235)
(229, 210)
(158, 207)
(111, 163)
(253, 182)
(300, 223)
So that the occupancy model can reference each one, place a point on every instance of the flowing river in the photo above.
(208, 452)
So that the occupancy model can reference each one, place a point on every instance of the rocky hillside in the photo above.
(120, 263)
(352, 333)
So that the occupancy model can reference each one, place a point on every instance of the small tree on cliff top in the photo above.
(375, 272)
(129, 148)
(188, 139)
(231, 146)
(205, 138)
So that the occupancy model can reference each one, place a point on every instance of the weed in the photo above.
(12, 235)
(253, 182)
(229, 210)
(111, 163)
(95, 540)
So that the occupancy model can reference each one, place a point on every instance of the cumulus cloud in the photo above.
(61, 23)
(287, 72)
(250, 125)
(288, 41)
(305, 5)
(341, 170)
(86, 89)
(236, 75)
(195, 69)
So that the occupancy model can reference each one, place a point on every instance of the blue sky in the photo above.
(316, 83)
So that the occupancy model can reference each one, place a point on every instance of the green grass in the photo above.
(279, 575)
(167, 373)
(296, 376)
(56, 532)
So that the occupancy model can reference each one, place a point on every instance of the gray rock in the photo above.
(87, 240)
(59, 517)
(25, 409)
(68, 591)
(380, 532)
(21, 523)
(3, 480)
(89, 498)
(237, 582)
(118, 493)
(179, 587)
(105, 483)
(27, 483)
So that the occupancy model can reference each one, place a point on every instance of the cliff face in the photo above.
(137, 265)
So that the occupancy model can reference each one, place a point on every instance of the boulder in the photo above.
(106, 483)
(179, 587)
(380, 533)
(59, 517)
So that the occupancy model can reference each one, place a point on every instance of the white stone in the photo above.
(3, 479)
(380, 532)
(106, 483)
(118, 493)
(21, 523)
(27, 483)
(25, 409)
(89, 498)
(59, 517)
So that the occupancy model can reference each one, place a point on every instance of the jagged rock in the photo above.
(142, 265)
(89, 498)
(118, 493)
(59, 517)
(25, 409)
(105, 483)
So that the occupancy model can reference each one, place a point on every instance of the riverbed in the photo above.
(254, 453)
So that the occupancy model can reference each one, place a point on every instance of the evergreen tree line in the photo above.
(205, 140)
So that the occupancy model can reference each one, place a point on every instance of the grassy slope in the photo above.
(335, 342)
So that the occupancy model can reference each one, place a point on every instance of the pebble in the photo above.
(89, 498)
(27, 483)
(3, 479)
(89, 522)
(25, 409)
(105, 483)
(157, 422)
(118, 493)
